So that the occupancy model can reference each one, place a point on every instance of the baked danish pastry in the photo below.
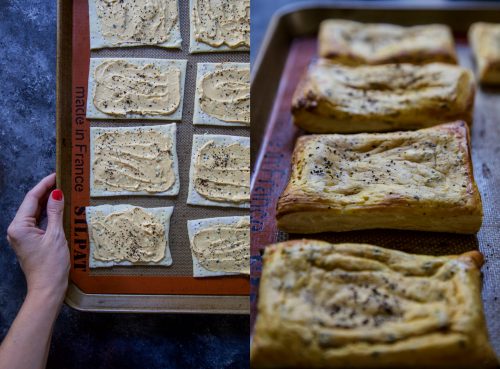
(360, 306)
(353, 43)
(413, 180)
(484, 39)
(332, 98)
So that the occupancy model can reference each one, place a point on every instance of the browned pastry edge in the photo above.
(343, 56)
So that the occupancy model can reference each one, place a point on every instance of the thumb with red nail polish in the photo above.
(55, 211)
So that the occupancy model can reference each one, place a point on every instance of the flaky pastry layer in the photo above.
(413, 180)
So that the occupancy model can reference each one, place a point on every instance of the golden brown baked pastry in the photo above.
(331, 98)
(361, 306)
(415, 180)
(484, 39)
(354, 43)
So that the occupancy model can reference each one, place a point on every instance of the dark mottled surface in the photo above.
(27, 153)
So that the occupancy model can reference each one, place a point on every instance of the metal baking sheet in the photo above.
(157, 289)
(289, 45)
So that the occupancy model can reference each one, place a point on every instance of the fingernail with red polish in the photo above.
(57, 195)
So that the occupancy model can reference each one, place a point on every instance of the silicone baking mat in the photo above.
(272, 170)
(176, 279)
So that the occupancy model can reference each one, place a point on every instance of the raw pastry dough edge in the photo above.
(97, 41)
(94, 113)
(165, 213)
(198, 141)
(169, 129)
(198, 224)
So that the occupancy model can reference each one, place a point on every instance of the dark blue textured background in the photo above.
(27, 153)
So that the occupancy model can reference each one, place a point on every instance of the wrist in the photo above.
(53, 295)
(43, 306)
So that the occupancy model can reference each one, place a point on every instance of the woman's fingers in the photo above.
(55, 210)
(30, 207)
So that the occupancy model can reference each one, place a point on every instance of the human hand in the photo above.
(42, 254)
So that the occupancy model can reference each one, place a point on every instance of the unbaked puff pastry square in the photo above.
(136, 88)
(131, 161)
(413, 180)
(134, 23)
(360, 306)
(127, 235)
(484, 39)
(220, 246)
(220, 171)
(222, 96)
(219, 26)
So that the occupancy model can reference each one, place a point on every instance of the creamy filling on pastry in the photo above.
(225, 94)
(426, 166)
(135, 160)
(133, 235)
(222, 22)
(224, 247)
(139, 22)
(123, 88)
(222, 173)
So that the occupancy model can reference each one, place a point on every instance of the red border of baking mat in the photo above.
(272, 166)
(80, 197)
